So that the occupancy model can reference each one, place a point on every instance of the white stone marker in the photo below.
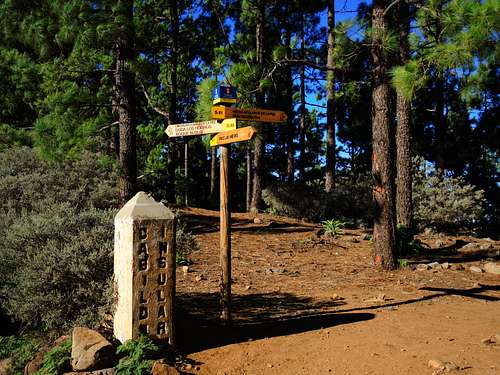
(144, 270)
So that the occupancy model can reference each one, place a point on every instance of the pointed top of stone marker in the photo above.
(143, 206)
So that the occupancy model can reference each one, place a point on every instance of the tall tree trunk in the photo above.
(249, 179)
(384, 218)
(440, 124)
(330, 104)
(404, 207)
(302, 132)
(123, 91)
(290, 169)
(172, 104)
(259, 144)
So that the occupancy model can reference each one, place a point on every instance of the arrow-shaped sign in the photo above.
(232, 136)
(198, 128)
(255, 114)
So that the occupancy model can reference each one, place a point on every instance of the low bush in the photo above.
(57, 231)
(57, 360)
(138, 356)
(57, 268)
(185, 244)
(349, 200)
(20, 350)
(445, 202)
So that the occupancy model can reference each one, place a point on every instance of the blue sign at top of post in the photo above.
(224, 92)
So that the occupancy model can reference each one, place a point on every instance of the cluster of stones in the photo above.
(488, 267)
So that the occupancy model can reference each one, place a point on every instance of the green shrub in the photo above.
(57, 360)
(445, 202)
(405, 243)
(19, 349)
(185, 243)
(349, 199)
(333, 227)
(57, 231)
(138, 356)
(57, 268)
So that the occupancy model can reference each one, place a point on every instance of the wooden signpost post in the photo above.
(227, 133)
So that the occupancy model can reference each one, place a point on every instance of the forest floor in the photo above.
(307, 304)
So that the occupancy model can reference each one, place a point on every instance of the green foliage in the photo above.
(19, 349)
(408, 79)
(333, 228)
(348, 200)
(402, 263)
(446, 202)
(405, 243)
(185, 244)
(138, 356)
(56, 256)
(57, 360)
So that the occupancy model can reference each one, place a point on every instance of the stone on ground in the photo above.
(475, 269)
(492, 267)
(90, 350)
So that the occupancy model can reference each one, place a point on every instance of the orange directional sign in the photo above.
(199, 128)
(232, 136)
(255, 114)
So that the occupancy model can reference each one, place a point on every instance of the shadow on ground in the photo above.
(256, 316)
(453, 254)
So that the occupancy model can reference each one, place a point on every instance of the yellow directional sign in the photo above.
(198, 128)
(255, 114)
(232, 136)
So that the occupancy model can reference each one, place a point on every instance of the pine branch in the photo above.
(154, 108)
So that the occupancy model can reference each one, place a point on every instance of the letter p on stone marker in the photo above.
(144, 229)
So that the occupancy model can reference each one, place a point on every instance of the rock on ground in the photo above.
(492, 267)
(475, 269)
(90, 350)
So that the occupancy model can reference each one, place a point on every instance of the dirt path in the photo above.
(304, 304)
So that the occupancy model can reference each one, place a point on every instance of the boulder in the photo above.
(160, 368)
(492, 267)
(90, 350)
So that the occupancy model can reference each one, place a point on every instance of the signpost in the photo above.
(255, 114)
(200, 128)
(227, 133)
(233, 136)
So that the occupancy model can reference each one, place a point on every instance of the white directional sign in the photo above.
(199, 128)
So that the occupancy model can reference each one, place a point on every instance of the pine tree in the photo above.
(403, 131)
(384, 221)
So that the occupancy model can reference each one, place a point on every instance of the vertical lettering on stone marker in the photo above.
(161, 311)
(160, 330)
(144, 270)
(143, 312)
(161, 296)
(162, 262)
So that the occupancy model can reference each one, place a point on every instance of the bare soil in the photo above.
(304, 303)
